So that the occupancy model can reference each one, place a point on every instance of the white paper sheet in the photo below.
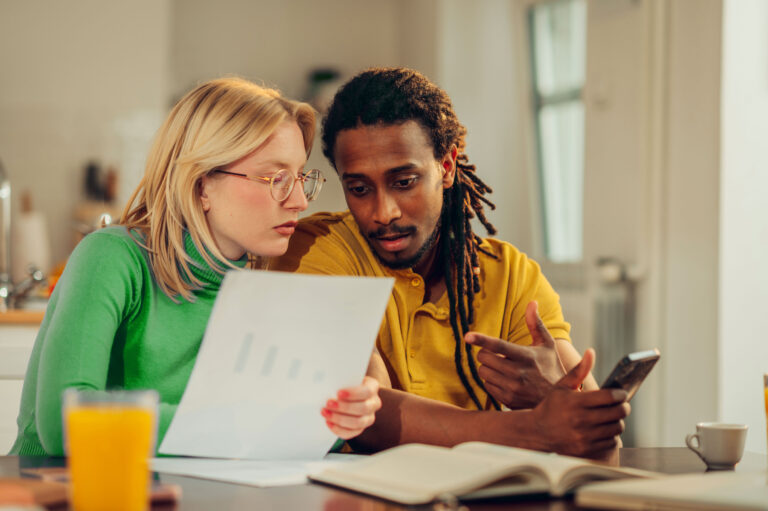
(277, 347)
(250, 472)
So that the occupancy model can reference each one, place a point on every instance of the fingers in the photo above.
(536, 326)
(602, 397)
(343, 433)
(353, 410)
(365, 390)
(351, 422)
(501, 364)
(576, 375)
(595, 417)
(598, 449)
(497, 346)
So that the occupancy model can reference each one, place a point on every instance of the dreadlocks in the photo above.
(389, 96)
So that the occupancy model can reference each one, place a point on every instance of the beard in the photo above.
(412, 261)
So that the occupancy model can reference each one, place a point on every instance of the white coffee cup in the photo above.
(720, 445)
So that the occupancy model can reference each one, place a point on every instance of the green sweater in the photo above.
(109, 325)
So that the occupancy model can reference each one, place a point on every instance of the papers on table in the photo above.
(251, 472)
(276, 348)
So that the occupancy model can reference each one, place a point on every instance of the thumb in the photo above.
(576, 375)
(531, 317)
(539, 333)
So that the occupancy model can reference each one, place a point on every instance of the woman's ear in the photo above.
(448, 166)
(202, 188)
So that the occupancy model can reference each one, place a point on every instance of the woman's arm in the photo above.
(76, 340)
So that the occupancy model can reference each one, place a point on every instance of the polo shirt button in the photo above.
(412, 354)
(415, 281)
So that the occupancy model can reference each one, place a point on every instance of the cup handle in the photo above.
(695, 448)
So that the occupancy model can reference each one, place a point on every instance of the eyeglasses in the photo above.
(281, 184)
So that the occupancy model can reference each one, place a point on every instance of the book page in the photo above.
(417, 473)
(564, 473)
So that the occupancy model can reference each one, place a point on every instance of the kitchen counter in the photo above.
(22, 317)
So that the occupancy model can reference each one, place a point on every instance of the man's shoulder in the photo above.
(500, 252)
(338, 228)
(326, 222)
(325, 243)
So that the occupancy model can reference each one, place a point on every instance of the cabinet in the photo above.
(16, 341)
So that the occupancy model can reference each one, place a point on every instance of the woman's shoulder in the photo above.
(115, 242)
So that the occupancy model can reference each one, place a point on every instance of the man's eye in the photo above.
(405, 182)
(357, 189)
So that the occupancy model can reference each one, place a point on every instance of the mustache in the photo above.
(393, 229)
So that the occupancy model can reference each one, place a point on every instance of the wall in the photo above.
(743, 296)
(278, 44)
(478, 52)
(70, 72)
(691, 208)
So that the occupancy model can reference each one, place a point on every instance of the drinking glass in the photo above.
(765, 391)
(110, 437)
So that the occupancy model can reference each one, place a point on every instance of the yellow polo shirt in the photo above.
(416, 339)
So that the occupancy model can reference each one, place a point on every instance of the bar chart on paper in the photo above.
(277, 346)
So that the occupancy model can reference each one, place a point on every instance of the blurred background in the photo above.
(624, 141)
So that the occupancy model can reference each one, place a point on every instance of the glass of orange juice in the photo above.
(110, 436)
(765, 390)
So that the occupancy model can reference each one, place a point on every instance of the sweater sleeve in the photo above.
(99, 288)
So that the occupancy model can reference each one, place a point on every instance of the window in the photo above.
(558, 47)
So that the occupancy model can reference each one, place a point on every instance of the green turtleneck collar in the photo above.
(200, 268)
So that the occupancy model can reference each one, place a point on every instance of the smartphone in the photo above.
(631, 370)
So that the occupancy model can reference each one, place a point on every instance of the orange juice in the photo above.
(766, 408)
(109, 448)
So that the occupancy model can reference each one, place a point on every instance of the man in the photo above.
(398, 148)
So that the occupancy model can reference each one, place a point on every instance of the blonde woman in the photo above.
(224, 184)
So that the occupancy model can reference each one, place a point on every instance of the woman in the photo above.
(131, 308)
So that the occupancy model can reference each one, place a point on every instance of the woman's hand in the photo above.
(353, 410)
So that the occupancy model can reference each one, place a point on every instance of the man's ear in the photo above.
(202, 189)
(448, 166)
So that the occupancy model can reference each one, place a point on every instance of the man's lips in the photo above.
(393, 242)
(287, 228)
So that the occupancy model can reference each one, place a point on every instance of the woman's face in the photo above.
(241, 213)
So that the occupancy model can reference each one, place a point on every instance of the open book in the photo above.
(417, 473)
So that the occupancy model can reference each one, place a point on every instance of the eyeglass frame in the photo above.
(270, 180)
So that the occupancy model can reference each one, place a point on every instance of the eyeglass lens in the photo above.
(283, 182)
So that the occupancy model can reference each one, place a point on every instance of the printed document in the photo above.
(276, 348)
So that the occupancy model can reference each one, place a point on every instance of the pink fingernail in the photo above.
(325, 413)
(343, 394)
(332, 404)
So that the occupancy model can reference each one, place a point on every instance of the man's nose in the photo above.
(386, 209)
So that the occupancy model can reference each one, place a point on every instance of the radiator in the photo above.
(614, 327)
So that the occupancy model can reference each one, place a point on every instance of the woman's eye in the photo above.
(279, 177)
(406, 182)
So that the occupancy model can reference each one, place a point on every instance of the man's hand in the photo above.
(586, 424)
(519, 376)
(353, 410)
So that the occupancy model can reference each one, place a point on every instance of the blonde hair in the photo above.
(213, 125)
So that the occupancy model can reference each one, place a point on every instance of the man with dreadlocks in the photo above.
(398, 148)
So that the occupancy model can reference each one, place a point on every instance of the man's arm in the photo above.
(583, 424)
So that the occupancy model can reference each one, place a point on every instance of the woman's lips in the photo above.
(286, 229)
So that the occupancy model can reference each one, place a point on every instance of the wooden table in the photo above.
(203, 495)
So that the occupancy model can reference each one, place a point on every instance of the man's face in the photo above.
(394, 188)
